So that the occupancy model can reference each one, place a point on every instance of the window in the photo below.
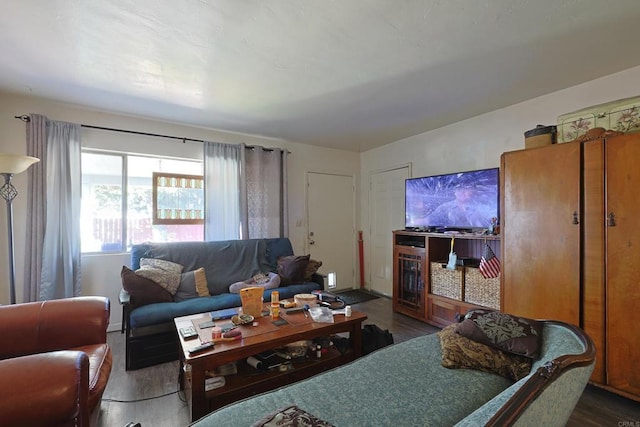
(111, 221)
(177, 198)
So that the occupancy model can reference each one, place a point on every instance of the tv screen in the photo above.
(455, 200)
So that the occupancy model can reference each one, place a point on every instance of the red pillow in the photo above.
(143, 291)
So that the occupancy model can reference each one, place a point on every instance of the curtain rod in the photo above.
(26, 118)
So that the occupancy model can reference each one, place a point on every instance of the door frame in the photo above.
(367, 246)
(354, 205)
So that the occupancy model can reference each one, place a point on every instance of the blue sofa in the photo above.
(405, 384)
(151, 337)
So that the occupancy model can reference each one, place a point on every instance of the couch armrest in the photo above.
(125, 301)
(124, 297)
(51, 325)
(45, 389)
(319, 279)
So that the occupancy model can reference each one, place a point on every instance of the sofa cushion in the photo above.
(225, 262)
(292, 269)
(164, 273)
(311, 269)
(409, 369)
(163, 313)
(193, 284)
(459, 352)
(276, 248)
(142, 290)
(156, 314)
(503, 331)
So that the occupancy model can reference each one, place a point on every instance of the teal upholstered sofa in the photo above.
(151, 337)
(405, 385)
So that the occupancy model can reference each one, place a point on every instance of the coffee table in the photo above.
(258, 337)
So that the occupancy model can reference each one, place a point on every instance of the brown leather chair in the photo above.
(54, 361)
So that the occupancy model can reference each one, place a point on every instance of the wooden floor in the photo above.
(149, 396)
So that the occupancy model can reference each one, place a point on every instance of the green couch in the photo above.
(405, 384)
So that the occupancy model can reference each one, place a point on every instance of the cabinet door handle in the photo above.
(611, 219)
(575, 218)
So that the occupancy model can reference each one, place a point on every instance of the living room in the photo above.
(472, 143)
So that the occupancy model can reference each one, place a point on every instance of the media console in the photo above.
(414, 253)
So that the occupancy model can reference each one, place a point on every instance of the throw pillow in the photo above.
(311, 269)
(291, 416)
(272, 281)
(141, 290)
(503, 331)
(459, 352)
(291, 269)
(164, 273)
(193, 284)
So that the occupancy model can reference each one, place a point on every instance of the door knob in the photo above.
(312, 242)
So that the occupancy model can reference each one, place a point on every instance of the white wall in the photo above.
(471, 144)
(101, 273)
(478, 142)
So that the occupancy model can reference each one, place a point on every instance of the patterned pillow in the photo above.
(311, 269)
(503, 331)
(142, 291)
(291, 269)
(164, 273)
(193, 284)
(459, 352)
(291, 416)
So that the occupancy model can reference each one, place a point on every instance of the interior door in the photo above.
(331, 225)
(622, 266)
(540, 222)
(386, 213)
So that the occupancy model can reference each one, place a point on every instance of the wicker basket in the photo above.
(481, 291)
(445, 282)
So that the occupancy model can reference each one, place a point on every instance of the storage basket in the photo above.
(445, 282)
(481, 291)
(540, 136)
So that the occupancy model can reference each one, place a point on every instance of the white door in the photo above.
(331, 225)
(386, 213)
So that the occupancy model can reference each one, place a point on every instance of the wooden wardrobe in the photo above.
(571, 246)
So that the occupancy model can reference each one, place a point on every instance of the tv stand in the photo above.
(414, 253)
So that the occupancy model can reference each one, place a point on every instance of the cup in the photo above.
(216, 332)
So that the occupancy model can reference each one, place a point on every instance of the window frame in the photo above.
(154, 194)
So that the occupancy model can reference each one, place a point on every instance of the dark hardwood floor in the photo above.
(149, 396)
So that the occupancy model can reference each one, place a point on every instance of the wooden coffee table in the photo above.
(262, 336)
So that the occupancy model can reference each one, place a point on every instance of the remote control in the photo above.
(201, 347)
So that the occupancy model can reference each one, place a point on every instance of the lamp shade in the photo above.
(15, 163)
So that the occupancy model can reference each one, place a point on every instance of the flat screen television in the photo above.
(461, 200)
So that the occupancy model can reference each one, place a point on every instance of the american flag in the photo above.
(489, 263)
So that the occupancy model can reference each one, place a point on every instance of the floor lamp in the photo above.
(11, 164)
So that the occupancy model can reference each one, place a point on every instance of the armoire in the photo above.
(570, 218)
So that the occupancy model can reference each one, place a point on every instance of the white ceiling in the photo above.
(349, 74)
